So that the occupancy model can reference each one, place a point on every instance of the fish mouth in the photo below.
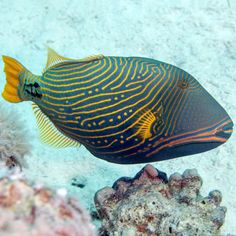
(225, 131)
(215, 134)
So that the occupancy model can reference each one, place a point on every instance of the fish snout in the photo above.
(197, 140)
(225, 130)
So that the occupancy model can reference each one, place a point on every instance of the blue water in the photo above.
(198, 36)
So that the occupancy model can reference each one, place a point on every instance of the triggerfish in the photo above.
(122, 109)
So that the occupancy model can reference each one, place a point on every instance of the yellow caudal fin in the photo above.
(12, 69)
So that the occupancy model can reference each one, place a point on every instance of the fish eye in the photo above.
(183, 83)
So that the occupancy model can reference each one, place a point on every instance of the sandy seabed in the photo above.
(198, 36)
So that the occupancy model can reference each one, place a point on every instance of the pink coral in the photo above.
(37, 211)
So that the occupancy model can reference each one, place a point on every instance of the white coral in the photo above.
(13, 144)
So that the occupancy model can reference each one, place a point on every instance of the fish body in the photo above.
(122, 109)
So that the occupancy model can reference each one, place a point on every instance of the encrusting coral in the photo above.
(150, 204)
(37, 211)
(13, 144)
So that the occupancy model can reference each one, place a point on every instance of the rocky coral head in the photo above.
(146, 174)
(152, 204)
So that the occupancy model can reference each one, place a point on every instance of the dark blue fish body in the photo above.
(125, 109)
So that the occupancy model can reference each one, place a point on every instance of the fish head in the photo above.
(193, 121)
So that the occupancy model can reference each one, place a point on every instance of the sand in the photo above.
(198, 36)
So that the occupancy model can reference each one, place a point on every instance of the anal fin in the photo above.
(49, 134)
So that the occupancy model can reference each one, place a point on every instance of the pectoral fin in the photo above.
(146, 121)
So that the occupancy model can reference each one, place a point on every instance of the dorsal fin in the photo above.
(91, 58)
(54, 58)
(49, 134)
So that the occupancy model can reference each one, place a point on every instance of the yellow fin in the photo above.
(145, 123)
(12, 69)
(54, 58)
(49, 134)
(91, 58)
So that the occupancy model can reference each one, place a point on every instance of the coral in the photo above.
(13, 144)
(37, 211)
(152, 204)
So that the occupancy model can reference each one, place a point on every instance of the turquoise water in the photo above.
(198, 36)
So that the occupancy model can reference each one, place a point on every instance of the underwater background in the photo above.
(197, 36)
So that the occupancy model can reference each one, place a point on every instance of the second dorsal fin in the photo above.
(91, 58)
(54, 58)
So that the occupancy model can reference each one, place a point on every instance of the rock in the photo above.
(152, 204)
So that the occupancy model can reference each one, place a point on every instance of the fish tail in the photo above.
(12, 69)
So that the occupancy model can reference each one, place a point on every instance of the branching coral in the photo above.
(13, 144)
(151, 204)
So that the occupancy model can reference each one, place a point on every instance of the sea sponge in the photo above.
(35, 211)
(151, 204)
(13, 143)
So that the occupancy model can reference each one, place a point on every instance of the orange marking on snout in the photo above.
(198, 137)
